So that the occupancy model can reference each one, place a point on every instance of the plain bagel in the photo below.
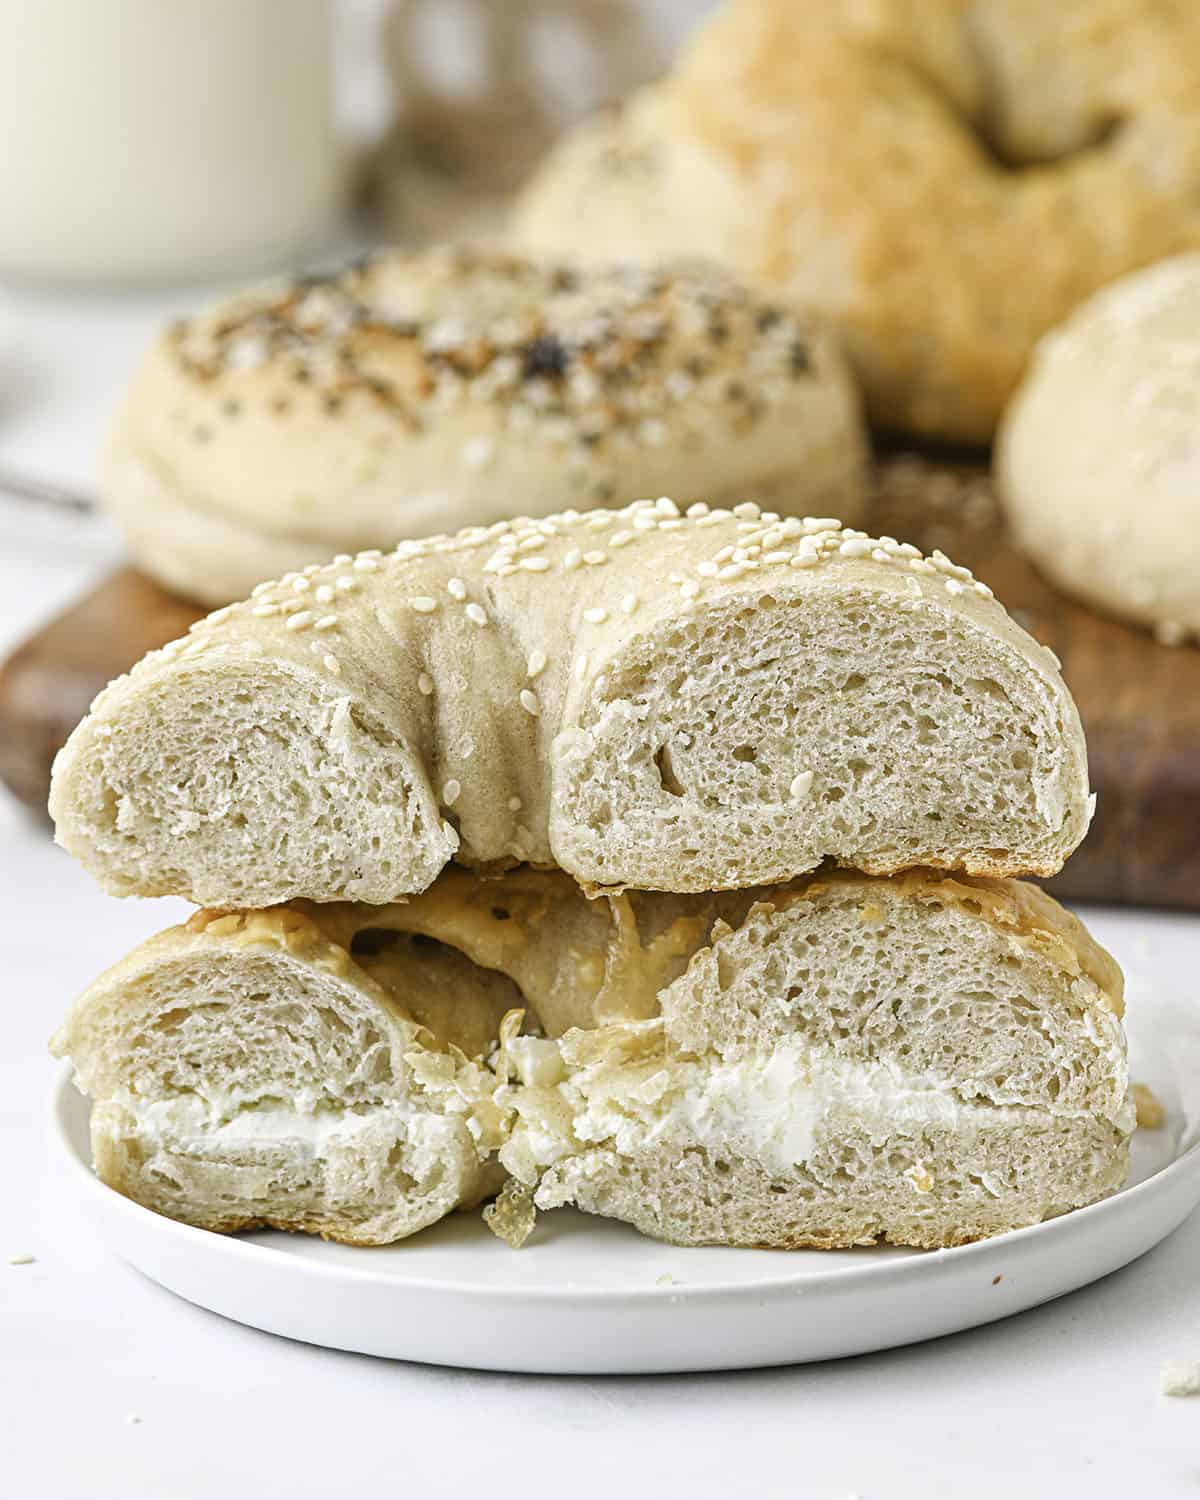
(1098, 458)
(413, 393)
(945, 179)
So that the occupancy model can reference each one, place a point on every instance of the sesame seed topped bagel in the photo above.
(645, 698)
(945, 179)
(418, 392)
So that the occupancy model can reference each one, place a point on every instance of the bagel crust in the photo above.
(645, 698)
(413, 393)
(1097, 459)
(945, 179)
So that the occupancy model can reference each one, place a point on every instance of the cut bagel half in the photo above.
(918, 1060)
(644, 699)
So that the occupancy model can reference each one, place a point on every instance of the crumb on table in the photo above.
(1150, 1112)
(1181, 1377)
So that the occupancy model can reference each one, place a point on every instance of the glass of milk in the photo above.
(164, 140)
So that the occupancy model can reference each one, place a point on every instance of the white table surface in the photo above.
(1056, 1400)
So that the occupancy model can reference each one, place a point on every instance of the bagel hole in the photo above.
(1003, 155)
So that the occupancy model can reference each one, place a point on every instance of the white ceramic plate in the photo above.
(590, 1296)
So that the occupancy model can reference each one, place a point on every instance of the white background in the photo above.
(1059, 1400)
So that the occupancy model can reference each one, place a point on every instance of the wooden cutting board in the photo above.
(1140, 701)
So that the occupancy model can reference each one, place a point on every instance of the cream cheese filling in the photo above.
(774, 1104)
(190, 1122)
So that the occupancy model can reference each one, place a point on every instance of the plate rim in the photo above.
(908, 1268)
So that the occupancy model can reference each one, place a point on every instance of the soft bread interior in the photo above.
(263, 769)
(247, 1072)
(764, 734)
(915, 1060)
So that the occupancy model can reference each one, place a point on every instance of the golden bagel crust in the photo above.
(946, 179)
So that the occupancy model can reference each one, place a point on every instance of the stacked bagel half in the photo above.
(654, 862)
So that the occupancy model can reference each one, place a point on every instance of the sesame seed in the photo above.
(629, 603)
(748, 511)
(777, 557)
(581, 667)
(813, 524)
(326, 622)
(535, 564)
(301, 585)
(219, 616)
(476, 614)
(1170, 633)
(324, 595)
(366, 565)
(537, 663)
(593, 559)
(801, 786)
(450, 792)
(22, 1258)
(983, 591)
(425, 684)
(532, 543)
(595, 616)
(529, 702)
(342, 560)
(345, 584)
(573, 559)
(804, 560)
(699, 509)
(478, 452)
(449, 832)
(333, 665)
(260, 589)
(423, 604)
(299, 621)
(954, 587)
(262, 611)
(456, 588)
(665, 506)
(620, 538)
(689, 588)
(855, 547)
(706, 569)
